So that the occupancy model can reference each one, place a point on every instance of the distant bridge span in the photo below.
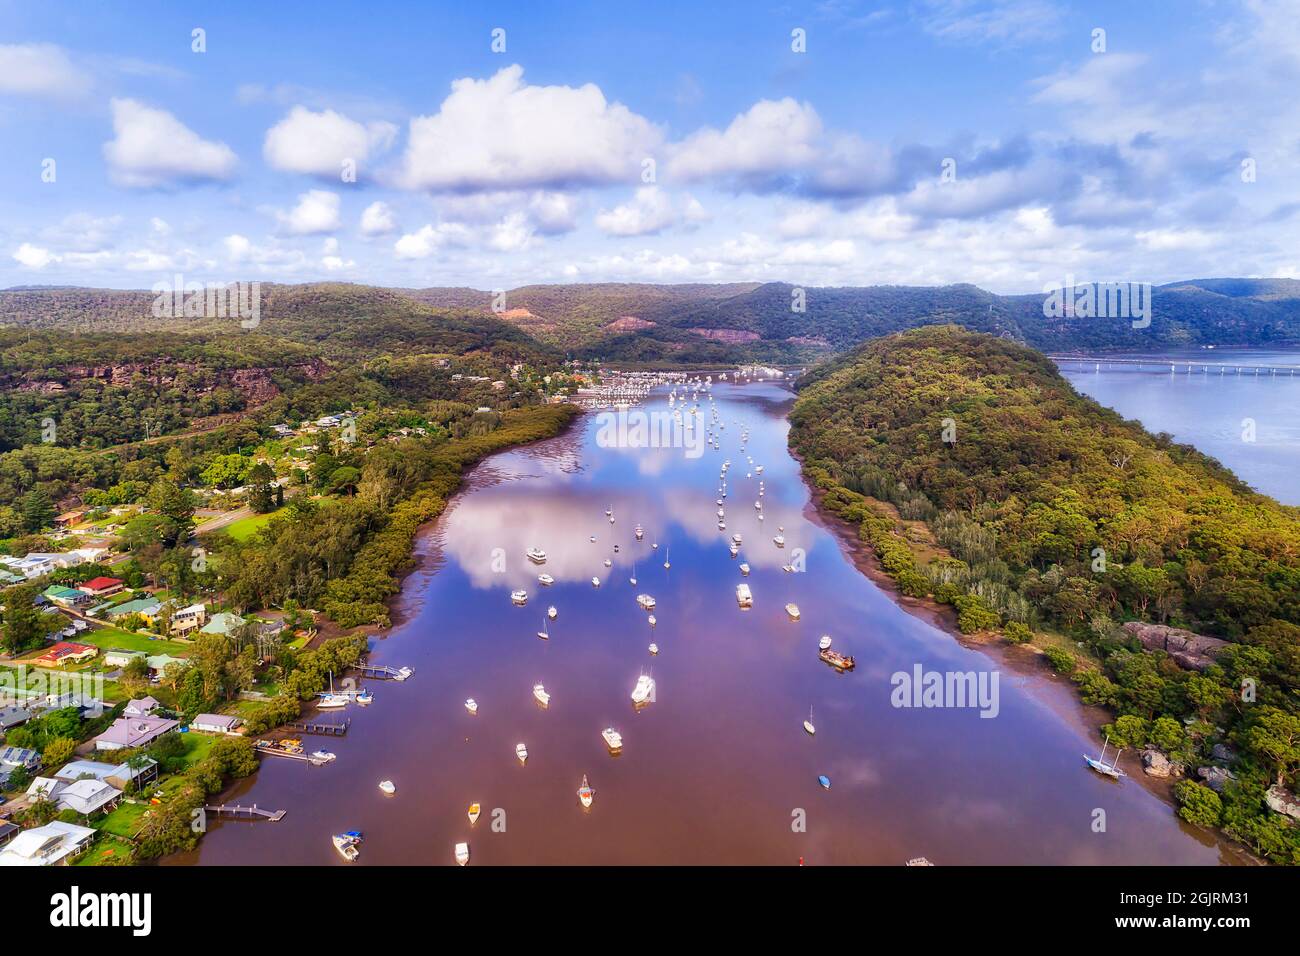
(1175, 365)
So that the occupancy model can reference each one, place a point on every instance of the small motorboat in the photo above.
(536, 555)
(585, 793)
(471, 705)
(734, 550)
(654, 545)
(521, 752)
(545, 580)
(346, 844)
(462, 853)
(609, 563)
(473, 813)
(654, 648)
(743, 596)
(646, 602)
(824, 643)
(758, 469)
(644, 691)
(779, 541)
(825, 781)
(613, 739)
(593, 539)
(841, 662)
(652, 620)
(788, 568)
(639, 532)
(539, 693)
(387, 786)
(323, 756)
(552, 613)
(519, 597)
(595, 581)
(737, 540)
(793, 610)
(808, 724)
(744, 569)
(365, 697)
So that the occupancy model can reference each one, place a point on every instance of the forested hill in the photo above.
(694, 323)
(1031, 508)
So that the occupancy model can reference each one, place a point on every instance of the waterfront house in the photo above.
(101, 587)
(66, 652)
(47, 845)
(84, 796)
(120, 775)
(215, 723)
(134, 732)
(140, 707)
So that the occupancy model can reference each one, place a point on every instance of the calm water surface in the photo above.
(1207, 408)
(718, 767)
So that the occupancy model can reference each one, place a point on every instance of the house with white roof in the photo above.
(86, 796)
(47, 845)
(134, 732)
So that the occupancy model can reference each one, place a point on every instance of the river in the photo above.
(718, 769)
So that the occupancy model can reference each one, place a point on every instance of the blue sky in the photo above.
(497, 169)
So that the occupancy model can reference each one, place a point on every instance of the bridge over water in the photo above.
(1185, 365)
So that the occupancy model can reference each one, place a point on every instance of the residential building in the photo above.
(47, 845)
(66, 597)
(13, 716)
(66, 652)
(158, 663)
(118, 657)
(86, 796)
(68, 519)
(119, 775)
(146, 607)
(102, 587)
(189, 619)
(134, 732)
(140, 707)
(223, 623)
(215, 723)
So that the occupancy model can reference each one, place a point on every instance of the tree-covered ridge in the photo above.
(1053, 476)
(1057, 521)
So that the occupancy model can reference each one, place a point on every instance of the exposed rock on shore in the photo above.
(1189, 650)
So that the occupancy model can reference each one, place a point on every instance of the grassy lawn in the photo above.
(197, 747)
(106, 850)
(113, 638)
(124, 821)
(245, 528)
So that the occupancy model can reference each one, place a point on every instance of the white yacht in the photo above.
(613, 739)
(521, 752)
(744, 569)
(654, 648)
(824, 643)
(471, 705)
(779, 541)
(462, 853)
(519, 597)
(545, 580)
(793, 610)
(543, 698)
(595, 581)
(388, 787)
(646, 602)
(639, 532)
(644, 690)
(536, 555)
(743, 596)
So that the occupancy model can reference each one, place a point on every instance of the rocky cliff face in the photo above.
(1189, 650)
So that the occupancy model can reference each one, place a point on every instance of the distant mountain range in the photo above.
(701, 323)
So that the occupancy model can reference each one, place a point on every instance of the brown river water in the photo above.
(718, 769)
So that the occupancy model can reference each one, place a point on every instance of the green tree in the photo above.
(37, 510)
(260, 496)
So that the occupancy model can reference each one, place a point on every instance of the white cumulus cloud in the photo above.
(317, 211)
(378, 219)
(320, 143)
(151, 147)
(40, 69)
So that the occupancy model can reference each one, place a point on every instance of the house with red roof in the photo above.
(101, 587)
(66, 652)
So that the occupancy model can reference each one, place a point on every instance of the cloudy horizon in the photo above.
(1006, 144)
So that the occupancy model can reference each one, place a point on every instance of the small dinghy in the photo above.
(808, 724)
(471, 705)
(539, 693)
(365, 697)
(552, 613)
(521, 752)
(824, 643)
(387, 786)
(793, 610)
(609, 563)
(825, 781)
(473, 813)
(324, 756)
(462, 853)
(585, 793)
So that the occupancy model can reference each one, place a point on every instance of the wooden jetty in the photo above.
(246, 813)
(324, 729)
(1187, 365)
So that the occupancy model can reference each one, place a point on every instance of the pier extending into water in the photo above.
(321, 728)
(381, 671)
(246, 813)
(1186, 365)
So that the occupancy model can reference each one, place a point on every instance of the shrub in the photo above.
(1062, 661)
(1017, 633)
(1197, 804)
